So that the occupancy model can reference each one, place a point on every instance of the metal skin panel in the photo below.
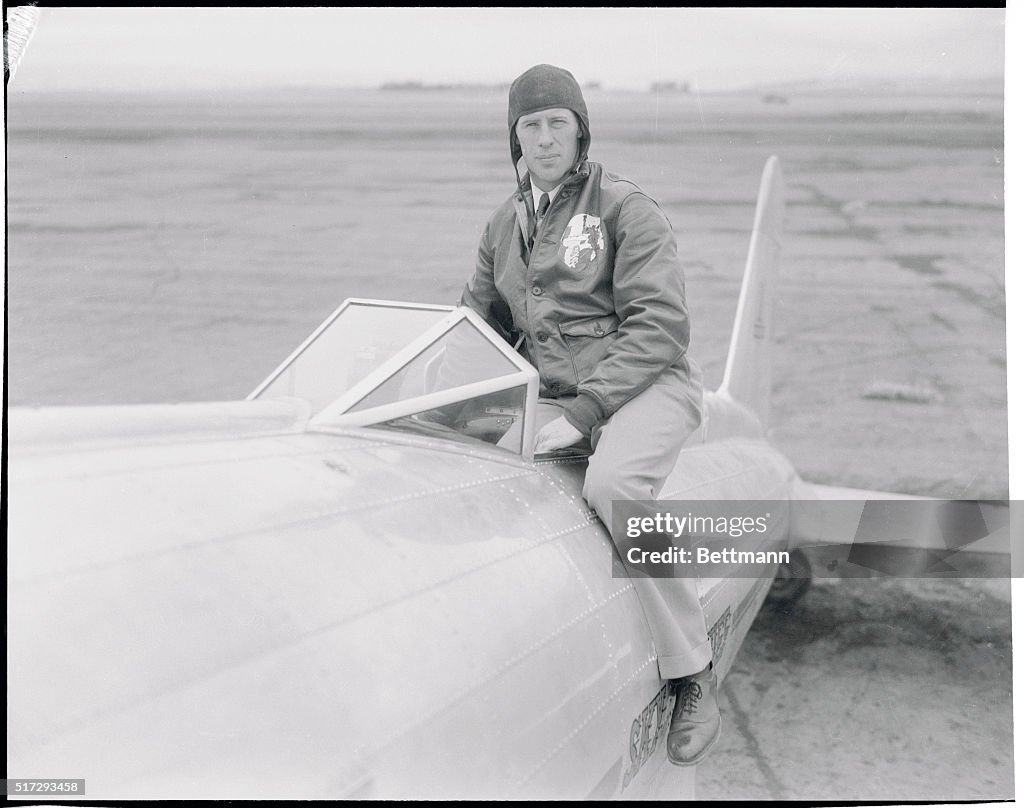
(326, 615)
(52, 429)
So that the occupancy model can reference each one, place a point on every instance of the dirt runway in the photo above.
(871, 689)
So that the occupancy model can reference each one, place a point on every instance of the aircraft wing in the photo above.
(930, 535)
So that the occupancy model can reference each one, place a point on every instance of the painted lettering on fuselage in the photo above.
(648, 728)
(719, 633)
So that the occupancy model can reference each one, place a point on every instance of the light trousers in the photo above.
(634, 451)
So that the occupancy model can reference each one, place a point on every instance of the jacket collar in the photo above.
(574, 179)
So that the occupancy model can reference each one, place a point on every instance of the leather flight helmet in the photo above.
(546, 87)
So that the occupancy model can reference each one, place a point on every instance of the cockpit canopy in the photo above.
(432, 370)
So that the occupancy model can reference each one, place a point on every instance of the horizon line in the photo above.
(671, 87)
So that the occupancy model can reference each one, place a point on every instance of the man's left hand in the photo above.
(556, 435)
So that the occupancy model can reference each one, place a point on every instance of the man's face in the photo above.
(550, 141)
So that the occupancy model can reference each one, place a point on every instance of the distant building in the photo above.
(419, 85)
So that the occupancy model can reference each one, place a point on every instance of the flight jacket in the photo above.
(600, 301)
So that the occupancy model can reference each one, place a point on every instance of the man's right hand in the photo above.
(556, 435)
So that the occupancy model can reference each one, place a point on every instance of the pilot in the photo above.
(579, 269)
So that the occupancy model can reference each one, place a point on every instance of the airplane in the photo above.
(360, 582)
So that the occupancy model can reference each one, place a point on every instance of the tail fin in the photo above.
(748, 375)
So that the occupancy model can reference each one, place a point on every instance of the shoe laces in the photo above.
(690, 693)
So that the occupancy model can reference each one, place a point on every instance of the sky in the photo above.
(629, 48)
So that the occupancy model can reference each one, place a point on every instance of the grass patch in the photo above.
(901, 391)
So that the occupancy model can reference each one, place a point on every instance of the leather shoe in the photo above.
(696, 722)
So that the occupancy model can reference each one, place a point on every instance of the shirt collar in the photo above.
(551, 194)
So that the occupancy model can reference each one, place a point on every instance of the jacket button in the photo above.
(555, 387)
(542, 338)
(598, 330)
(537, 290)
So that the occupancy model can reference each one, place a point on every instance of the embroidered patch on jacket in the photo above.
(582, 241)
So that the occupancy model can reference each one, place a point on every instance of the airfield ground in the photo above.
(173, 248)
(870, 689)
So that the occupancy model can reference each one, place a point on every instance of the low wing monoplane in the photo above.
(328, 591)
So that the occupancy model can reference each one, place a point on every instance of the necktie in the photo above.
(542, 208)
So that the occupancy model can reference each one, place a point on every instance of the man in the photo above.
(578, 268)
